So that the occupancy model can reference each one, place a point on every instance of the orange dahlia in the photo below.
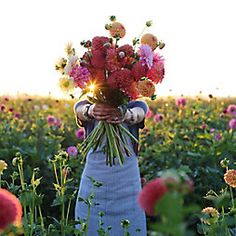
(146, 88)
(150, 40)
(117, 30)
(10, 210)
(230, 178)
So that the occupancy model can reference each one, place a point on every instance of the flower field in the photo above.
(191, 138)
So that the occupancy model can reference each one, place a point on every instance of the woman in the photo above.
(117, 197)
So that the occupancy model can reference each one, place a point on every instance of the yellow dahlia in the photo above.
(66, 83)
(230, 178)
(3, 166)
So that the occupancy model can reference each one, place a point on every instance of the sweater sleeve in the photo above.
(140, 104)
(76, 109)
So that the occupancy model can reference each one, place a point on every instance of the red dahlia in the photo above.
(112, 63)
(98, 59)
(138, 70)
(127, 49)
(132, 91)
(10, 210)
(120, 79)
(98, 43)
(151, 193)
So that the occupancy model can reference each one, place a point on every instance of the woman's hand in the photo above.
(107, 113)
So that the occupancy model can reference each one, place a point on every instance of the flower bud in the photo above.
(224, 163)
(107, 26)
(161, 45)
(112, 18)
(149, 23)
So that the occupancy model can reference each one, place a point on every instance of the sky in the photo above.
(200, 40)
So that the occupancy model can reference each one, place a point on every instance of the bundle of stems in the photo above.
(116, 142)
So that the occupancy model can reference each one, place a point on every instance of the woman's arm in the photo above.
(82, 110)
(134, 114)
(86, 111)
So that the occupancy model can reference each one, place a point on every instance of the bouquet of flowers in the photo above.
(113, 74)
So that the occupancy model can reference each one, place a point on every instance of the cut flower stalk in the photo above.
(116, 142)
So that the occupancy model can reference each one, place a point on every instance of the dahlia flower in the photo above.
(132, 91)
(230, 178)
(139, 70)
(66, 83)
(70, 64)
(158, 118)
(218, 137)
(151, 193)
(81, 76)
(11, 210)
(72, 151)
(146, 88)
(112, 62)
(232, 124)
(146, 55)
(150, 40)
(149, 113)
(99, 42)
(51, 120)
(98, 59)
(212, 213)
(116, 29)
(3, 166)
(120, 79)
(231, 109)
(80, 133)
(180, 102)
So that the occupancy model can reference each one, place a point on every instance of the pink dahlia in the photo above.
(232, 124)
(212, 130)
(158, 118)
(149, 113)
(81, 76)
(139, 70)
(157, 71)
(218, 137)
(146, 55)
(80, 133)
(180, 102)
(11, 210)
(231, 109)
(203, 126)
(72, 151)
(51, 120)
(151, 193)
